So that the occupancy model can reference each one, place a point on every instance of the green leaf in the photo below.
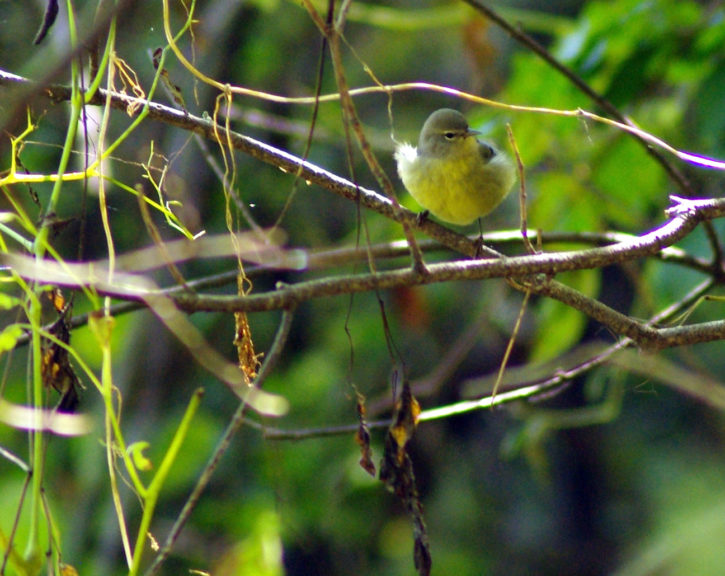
(9, 337)
(7, 302)
(135, 450)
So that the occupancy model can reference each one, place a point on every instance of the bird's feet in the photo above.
(480, 248)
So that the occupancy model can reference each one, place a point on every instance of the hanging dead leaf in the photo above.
(362, 437)
(56, 369)
(396, 471)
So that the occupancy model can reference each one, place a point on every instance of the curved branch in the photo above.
(522, 269)
(285, 161)
(686, 216)
(509, 267)
(529, 390)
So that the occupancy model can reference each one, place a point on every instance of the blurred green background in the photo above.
(638, 488)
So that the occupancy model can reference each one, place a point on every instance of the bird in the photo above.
(451, 174)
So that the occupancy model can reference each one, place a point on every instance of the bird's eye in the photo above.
(449, 135)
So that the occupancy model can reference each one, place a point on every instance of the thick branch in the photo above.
(686, 216)
(514, 267)
(284, 160)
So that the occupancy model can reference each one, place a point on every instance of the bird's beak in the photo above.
(472, 132)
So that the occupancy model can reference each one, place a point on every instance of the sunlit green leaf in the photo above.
(9, 337)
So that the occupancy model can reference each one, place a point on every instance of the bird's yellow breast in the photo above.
(459, 187)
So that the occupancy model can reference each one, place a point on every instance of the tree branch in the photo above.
(264, 152)
(686, 215)
(510, 267)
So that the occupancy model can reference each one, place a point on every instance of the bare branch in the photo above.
(509, 267)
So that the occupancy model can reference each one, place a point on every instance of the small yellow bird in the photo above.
(451, 174)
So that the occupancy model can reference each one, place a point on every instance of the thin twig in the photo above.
(352, 120)
(528, 269)
(510, 345)
(236, 421)
(444, 367)
(536, 390)
(523, 219)
(336, 257)
(517, 266)
(582, 86)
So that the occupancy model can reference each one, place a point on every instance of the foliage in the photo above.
(231, 319)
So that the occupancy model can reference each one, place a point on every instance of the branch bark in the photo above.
(686, 215)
